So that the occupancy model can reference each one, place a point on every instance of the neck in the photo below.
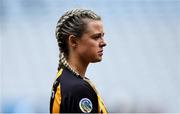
(77, 64)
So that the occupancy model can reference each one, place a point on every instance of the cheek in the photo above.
(89, 47)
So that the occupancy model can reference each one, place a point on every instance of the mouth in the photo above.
(100, 52)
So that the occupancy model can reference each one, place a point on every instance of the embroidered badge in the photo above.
(85, 105)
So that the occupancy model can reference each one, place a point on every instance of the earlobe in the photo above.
(74, 45)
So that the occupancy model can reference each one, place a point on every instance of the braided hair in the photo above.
(71, 23)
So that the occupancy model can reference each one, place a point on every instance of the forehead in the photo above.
(94, 26)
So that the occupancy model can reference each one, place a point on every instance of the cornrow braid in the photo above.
(64, 62)
(72, 23)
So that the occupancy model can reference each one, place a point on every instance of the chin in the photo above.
(96, 60)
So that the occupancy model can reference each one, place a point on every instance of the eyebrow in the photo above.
(97, 34)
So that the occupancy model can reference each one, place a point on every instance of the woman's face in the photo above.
(90, 45)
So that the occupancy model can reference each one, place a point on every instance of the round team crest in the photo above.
(85, 105)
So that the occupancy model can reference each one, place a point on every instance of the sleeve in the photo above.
(55, 99)
(81, 99)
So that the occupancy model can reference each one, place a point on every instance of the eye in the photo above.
(97, 36)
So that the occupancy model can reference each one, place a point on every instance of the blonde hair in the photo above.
(72, 23)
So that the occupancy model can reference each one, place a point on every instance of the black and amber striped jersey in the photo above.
(74, 94)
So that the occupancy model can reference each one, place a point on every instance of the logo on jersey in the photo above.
(85, 105)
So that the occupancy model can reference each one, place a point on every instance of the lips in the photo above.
(100, 52)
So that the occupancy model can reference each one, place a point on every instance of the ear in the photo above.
(72, 40)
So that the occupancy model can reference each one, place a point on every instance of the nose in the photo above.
(102, 43)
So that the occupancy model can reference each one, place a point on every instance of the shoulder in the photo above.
(73, 86)
(76, 93)
(71, 83)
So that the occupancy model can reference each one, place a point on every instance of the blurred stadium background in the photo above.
(140, 71)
